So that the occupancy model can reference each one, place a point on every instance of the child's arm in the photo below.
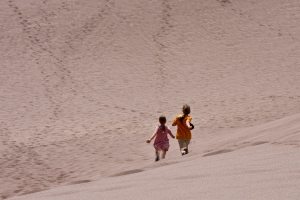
(154, 134)
(171, 134)
(188, 124)
(174, 123)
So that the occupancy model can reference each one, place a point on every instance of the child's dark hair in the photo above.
(162, 120)
(186, 110)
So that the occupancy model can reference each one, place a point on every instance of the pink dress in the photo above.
(161, 141)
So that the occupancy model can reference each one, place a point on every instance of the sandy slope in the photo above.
(84, 82)
(266, 166)
(246, 174)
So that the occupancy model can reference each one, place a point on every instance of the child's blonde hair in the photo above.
(186, 110)
(162, 120)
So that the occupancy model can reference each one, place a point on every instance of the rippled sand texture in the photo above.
(84, 82)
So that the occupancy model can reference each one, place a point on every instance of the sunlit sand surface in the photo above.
(84, 82)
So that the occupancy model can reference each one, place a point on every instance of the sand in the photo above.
(84, 82)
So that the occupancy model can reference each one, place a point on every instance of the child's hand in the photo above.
(148, 141)
(192, 126)
(173, 136)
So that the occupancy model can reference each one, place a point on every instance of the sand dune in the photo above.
(250, 169)
(84, 82)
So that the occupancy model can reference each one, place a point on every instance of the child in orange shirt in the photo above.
(184, 127)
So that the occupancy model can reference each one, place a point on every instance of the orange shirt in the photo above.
(183, 132)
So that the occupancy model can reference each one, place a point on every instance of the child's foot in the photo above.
(183, 153)
(157, 157)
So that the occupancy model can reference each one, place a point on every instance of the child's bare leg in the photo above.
(187, 146)
(156, 156)
(156, 153)
(164, 154)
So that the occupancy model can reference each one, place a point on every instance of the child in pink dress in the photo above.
(161, 142)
